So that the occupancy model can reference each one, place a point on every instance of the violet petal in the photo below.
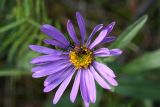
(61, 74)
(83, 88)
(45, 50)
(99, 79)
(53, 85)
(95, 30)
(112, 52)
(72, 32)
(86, 104)
(102, 51)
(75, 87)
(54, 43)
(111, 80)
(102, 35)
(54, 33)
(115, 52)
(108, 39)
(49, 66)
(110, 27)
(82, 26)
(47, 58)
(62, 87)
(53, 77)
(90, 84)
(43, 73)
(103, 69)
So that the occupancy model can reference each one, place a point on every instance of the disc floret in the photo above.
(81, 57)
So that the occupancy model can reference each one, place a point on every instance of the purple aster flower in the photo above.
(77, 58)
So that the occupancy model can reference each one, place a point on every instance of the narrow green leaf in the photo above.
(34, 23)
(144, 63)
(142, 92)
(13, 72)
(38, 8)
(12, 25)
(8, 41)
(26, 43)
(11, 38)
(127, 36)
(44, 13)
(138, 87)
(26, 8)
(17, 44)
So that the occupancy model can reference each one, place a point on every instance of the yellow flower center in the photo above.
(81, 57)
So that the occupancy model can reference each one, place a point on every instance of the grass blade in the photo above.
(144, 63)
(127, 36)
(13, 72)
(12, 25)
(138, 87)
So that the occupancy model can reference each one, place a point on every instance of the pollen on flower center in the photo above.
(81, 57)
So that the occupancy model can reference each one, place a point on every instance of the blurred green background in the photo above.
(138, 35)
